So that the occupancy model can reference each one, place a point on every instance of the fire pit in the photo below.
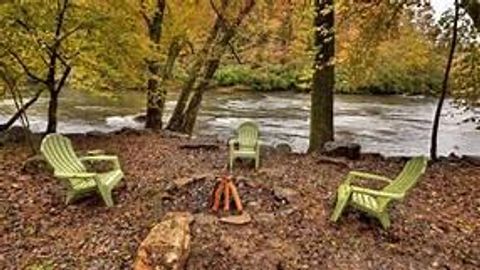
(224, 192)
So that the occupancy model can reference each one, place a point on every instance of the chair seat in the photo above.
(244, 152)
(83, 184)
(111, 178)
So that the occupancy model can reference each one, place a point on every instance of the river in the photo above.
(391, 125)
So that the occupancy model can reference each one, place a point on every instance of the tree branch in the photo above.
(62, 81)
(26, 68)
(144, 13)
(234, 52)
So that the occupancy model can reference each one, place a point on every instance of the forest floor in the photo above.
(437, 226)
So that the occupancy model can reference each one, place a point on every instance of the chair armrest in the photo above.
(113, 159)
(377, 193)
(355, 174)
(258, 145)
(231, 143)
(95, 152)
(83, 175)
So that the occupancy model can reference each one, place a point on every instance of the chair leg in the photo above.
(70, 197)
(232, 159)
(257, 163)
(343, 195)
(384, 220)
(106, 196)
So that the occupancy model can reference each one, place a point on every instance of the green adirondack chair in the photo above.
(375, 202)
(246, 145)
(59, 153)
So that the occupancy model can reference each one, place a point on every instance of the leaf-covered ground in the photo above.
(436, 227)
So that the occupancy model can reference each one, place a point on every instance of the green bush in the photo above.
(268, 78)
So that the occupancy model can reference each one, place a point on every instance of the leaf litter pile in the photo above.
(289, 199)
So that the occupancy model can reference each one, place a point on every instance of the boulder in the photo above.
(283, 148)
(167, 246)
(140, 118)
(342, 149)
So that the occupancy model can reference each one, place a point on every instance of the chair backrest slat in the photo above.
(59, 152)
(407, 178)
(248, 133)
(409, 175)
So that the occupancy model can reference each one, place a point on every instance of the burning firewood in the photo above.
(225, 191)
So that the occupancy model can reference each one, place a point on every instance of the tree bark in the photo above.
(321, 111)
(155, 96)
(185, 114)
(178, 115)
(441, 100)
(473, 9)
(52, 112)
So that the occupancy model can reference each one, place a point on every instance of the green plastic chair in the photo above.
(374, 202)
(246, 145)
(59, 153)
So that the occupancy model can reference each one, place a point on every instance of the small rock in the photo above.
(205, 219)
(242, 219)
(287, 195)
(265, 217)
(167, 246)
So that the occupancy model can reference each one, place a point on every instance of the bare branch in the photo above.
(62, 81)
(219, 14)
(144, 13)
(26, 68)
(71, 32)
(234, 52)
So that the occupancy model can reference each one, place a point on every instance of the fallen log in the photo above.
(205, 146)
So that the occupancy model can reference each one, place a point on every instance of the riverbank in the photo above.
(436, 226)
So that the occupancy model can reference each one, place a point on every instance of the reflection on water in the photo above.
(392, 125)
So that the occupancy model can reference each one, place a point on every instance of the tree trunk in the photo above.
(52, 112)
(321, 111)
(195, 102)
(185, 113)
(155, 96)
(473, 9)
(155, 101)
(438, 112)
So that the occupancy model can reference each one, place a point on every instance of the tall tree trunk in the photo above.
(185, 113)
(178, 115)
(52, 112)
(473, 9)
(441, 100)
(155, 96)
(321, 111)
(194, 104)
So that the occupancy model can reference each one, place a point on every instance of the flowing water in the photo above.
(391, 125)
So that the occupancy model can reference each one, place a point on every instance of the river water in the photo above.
(391, 125)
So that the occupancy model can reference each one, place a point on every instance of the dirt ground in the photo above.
(437, 226)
